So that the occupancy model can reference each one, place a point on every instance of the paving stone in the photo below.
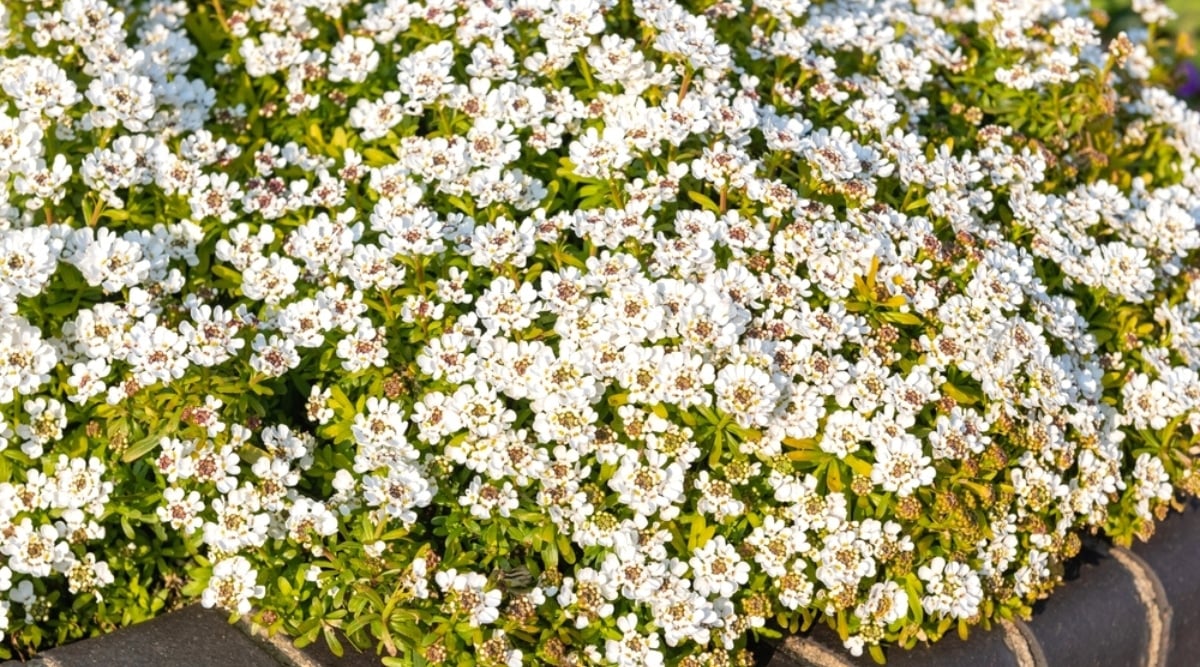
(1174, 554)
(190, 637)
(1096, 620)
(981, 649)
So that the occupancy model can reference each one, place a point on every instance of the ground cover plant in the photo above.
(595, 332)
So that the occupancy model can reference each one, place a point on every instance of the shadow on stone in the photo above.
(190, 637)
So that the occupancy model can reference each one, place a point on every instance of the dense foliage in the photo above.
(605, 332)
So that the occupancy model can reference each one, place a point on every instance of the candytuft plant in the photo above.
(594, 332)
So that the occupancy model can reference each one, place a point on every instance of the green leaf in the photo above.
(704, 202)
(900, 318)
(199, 581)
(565, 550)
(858, 466)
(373, 157)
(140, 448)
(335, 646)
(372, 596)
(714, 458)
(833, 478)
(958, 394)
(360, 622)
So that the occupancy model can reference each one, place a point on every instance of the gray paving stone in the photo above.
(190, 637)
(1096, 620)
(981, 649)
(1174, 555)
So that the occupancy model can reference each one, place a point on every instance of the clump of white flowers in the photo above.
(595, 332)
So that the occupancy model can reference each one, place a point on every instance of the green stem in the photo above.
(616, 193)
(688, 73)
(96, 213)
(220, 12)
(385, 296)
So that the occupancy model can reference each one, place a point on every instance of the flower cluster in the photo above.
(594, 332)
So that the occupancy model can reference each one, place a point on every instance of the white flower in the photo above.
(716, 495)
(484, 498)
(213, 195)
(467, 595)
(219, 465)
(44, 182)
(901, 466)
(951, 589)
(232, 585)
(500, 242)
(504, 307)
(352, 59)
(844, 560)
(307, 518)
(633, 649)
(88, 576)
(376, 118)
(111, 262)
(270, 279)
(36, 551)
(682, 614)
(795, 589)
(79, 484)
(746, 393)
(47, 419)
(844, 432)
(38, 86)
(274, 356)
(650, 487)
(238, 521)
(181, 510)
(717, 569)
(588, 596)
(28, 259)
(886, 603)
(776, 544)
(88, 379)
(400, 492)
(424, 75)
(1152, 480)
(363, 348)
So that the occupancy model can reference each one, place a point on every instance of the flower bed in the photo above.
(585, 332)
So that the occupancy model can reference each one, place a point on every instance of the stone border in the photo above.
(1135, 607)
(1023, 643)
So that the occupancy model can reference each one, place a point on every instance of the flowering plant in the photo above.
(605, 332)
